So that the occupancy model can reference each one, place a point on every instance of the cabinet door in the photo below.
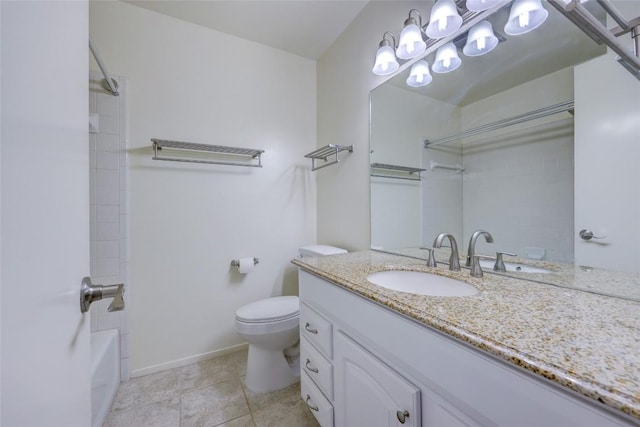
(368, 392)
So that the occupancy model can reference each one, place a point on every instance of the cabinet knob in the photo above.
(312, 407)
(402, 416)
(307, 327)
(311, 368)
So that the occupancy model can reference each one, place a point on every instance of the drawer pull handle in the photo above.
(402, 416)
(311, 368)
(308, 329)
(313, 408)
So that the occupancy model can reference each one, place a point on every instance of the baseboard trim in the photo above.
(187, 361)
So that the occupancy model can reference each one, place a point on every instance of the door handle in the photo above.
(588, 235)
(90, 293)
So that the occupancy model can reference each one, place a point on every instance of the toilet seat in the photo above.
(269, 310)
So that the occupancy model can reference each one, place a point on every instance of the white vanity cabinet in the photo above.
(316, 352)
(376, 395)
(384, 369)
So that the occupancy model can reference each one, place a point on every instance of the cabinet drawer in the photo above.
(317, 367)
(320, 407)
(316, 329)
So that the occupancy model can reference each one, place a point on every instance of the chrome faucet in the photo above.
(454, 260)
(471, 250)
(431, 259)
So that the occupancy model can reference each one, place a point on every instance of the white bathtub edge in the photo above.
(105, 373)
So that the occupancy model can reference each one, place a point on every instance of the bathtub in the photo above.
(105, 373)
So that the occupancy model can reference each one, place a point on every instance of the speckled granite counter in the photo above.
(586, 342)
(588, 279)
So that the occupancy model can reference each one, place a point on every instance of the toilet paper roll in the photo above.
(246, 265)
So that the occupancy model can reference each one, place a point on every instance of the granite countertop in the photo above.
(588, 279)
(586, 342)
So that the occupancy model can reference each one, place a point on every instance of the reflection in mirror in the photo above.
(495, 141)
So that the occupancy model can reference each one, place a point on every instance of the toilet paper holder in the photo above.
(236, 262)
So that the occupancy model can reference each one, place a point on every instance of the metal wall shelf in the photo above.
(413, 174)
(250, 157)
(325, 153)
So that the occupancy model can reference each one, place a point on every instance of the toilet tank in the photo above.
(320, 250)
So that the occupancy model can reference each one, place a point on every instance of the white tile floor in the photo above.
(206, 394)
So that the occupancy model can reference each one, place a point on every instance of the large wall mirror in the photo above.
(531, 142)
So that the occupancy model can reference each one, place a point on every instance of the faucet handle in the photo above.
(431, 259)
(476, 268)
(499, 265)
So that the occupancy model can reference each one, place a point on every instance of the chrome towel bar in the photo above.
(395, 171)
(251, 157)
(325, 152)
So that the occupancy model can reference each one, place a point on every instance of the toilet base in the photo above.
(268, 370)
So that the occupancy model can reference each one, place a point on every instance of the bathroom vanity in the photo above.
(515, 354)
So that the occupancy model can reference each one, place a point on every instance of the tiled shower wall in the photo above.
(109, 207)
(528, 179)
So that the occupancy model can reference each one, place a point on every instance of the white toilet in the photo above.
(270, 326)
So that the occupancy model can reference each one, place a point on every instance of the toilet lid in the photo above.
(269, 310)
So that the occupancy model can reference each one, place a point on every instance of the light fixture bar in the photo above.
(613, 12)
(469, 19)
(574, 9)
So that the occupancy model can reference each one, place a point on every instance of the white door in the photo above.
(369, 393)
(44, 218)
(607, 176)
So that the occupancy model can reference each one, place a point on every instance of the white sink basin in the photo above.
(512, 267)
(416, 282)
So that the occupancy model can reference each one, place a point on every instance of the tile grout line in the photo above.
(246, 399)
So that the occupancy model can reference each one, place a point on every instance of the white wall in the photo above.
(344, 82)
(396, 212)
(188, 221)
(400, 121)
(525, 175)
(1, 281)
(442, 191)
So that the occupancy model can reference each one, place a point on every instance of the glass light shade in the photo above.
(386, 62)
(411, 44)
(444, 21)
(447, 59)
(420, 75)
(480, 39)
(480, 5)
(525, 16)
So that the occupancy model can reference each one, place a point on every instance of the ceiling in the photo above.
(302, 27)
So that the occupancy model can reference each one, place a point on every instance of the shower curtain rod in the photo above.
(108, 83)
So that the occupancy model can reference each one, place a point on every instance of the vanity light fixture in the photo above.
(447, 59)
(411, 43)
(525, 16)
(480, 39)
(386, 62)
(444, 20)
(419, 75)
(481, 5)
